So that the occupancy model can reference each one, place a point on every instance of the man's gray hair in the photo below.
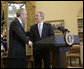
(19, 12)
(41, 14)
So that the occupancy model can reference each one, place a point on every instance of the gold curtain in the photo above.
(4, 8)
(30, 21)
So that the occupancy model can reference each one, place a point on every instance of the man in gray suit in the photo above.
(17, 41)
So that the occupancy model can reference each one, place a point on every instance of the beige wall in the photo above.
(67, 10)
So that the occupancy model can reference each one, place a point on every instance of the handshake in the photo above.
(30, 44)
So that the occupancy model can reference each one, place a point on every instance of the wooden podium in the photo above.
(59, 47)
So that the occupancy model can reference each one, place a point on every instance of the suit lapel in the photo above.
(37, 31)
(43, 30)
(20, 25)
(22, 28)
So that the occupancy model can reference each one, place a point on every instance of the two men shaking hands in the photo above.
(18, 39)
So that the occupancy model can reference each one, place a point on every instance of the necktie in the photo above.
(40, 29)
(22, 24)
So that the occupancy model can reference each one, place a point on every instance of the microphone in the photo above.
(66, 30)
(63, 29)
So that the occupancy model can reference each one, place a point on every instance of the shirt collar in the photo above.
(41, 23)
(19, 20)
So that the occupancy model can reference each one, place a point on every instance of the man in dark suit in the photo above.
(17, 41)
(40, 31)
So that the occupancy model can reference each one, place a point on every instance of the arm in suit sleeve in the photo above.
(51, 31)
(19, 32)
(28, 33)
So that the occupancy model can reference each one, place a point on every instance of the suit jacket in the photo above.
(17, 40)
(46, 32)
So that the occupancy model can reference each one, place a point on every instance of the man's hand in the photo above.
(30, 44)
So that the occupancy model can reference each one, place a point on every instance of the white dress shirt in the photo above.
(40, 27)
